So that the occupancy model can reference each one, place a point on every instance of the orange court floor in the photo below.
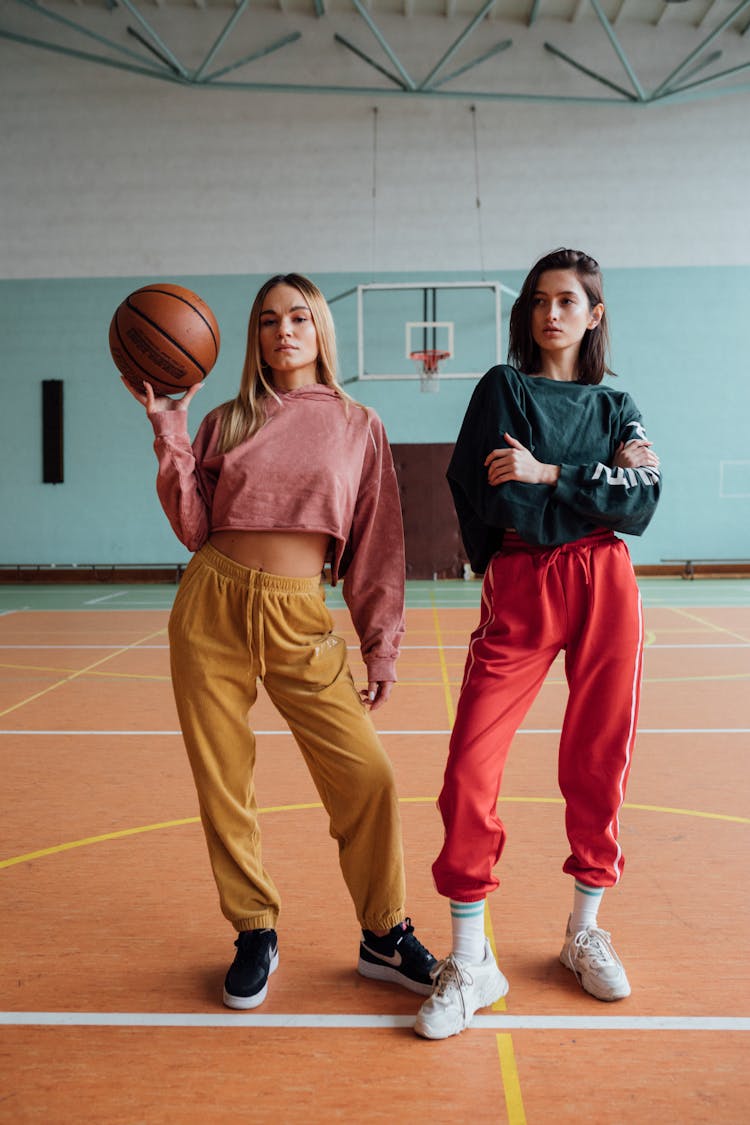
(114, 949)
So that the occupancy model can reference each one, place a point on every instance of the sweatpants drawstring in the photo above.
(581, 555)
(257, 626)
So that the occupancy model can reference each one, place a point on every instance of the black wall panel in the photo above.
(52, 431)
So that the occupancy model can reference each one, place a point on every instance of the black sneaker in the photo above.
(397, 957)
(257, 957)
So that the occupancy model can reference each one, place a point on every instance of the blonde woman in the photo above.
(288, 476)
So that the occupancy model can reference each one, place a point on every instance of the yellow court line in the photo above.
(80, 672)
(560, 680)
(511, 1081)
(641, 808)
(689, 812)
(508, 1068)
(443, 664)
(696, 679)
(134, 832)
(709, 625)
(95, 840)
(698, 813)
(499, 1005)
(88, 672)
(445, 682)
(55, 849)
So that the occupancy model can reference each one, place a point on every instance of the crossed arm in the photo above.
(516, 462)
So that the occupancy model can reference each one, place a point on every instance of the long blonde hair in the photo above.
(244, 415)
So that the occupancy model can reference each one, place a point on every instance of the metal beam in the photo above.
(699, 49)
(590, 73)
(709, 60)
(39, 10)
(701, 95)
(370, 62)
(155, 37)
(534, 12)
(488, 4)
(168, 68)
(102, 60)
(384, 92)
(292, 37)
(496, 50)
(711, 78)
(410, 84)
(296, 88)
(221, 39)
(151, 48)
(640, 92)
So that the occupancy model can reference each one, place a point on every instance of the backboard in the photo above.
(461, 320)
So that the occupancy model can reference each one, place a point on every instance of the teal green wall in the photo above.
(680, 347)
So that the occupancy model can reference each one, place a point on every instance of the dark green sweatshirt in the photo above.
(573, 425)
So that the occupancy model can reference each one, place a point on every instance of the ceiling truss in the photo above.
(146, 52)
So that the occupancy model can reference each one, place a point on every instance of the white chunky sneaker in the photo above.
(460, 988)
(591, 956)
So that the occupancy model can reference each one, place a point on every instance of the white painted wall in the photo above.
(107, 174)
(120, 179)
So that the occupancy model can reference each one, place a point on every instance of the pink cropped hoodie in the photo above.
(317, 464)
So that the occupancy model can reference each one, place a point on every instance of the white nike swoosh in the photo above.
(393, 959)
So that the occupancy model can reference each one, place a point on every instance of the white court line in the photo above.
(106, 598)
(325, 1022)
(158, 733)
(287, 733)
(108, 648)
(744, 644)
(353, 648)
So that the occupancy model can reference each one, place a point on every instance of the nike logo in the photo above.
(394, 959)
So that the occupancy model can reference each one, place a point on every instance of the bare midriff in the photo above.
(296, 554)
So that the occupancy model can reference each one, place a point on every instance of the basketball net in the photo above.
(428, 365)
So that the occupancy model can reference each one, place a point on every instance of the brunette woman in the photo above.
(548, 465)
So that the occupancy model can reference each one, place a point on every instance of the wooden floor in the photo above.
(114, 950)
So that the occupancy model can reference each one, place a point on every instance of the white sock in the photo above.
(467, 921)
(585, 906)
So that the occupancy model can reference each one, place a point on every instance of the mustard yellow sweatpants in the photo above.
(230, 628)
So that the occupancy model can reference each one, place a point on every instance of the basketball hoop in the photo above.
(429, 371)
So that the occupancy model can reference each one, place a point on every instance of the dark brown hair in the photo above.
(524, 353)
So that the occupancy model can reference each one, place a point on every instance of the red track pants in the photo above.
(581, 597)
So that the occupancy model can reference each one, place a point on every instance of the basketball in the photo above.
(164, 335)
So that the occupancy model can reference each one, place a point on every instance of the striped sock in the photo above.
(585, 906)
(467, 922)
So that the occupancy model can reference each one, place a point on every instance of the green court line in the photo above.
(666, 593)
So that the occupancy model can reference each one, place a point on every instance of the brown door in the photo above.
(433, 540)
